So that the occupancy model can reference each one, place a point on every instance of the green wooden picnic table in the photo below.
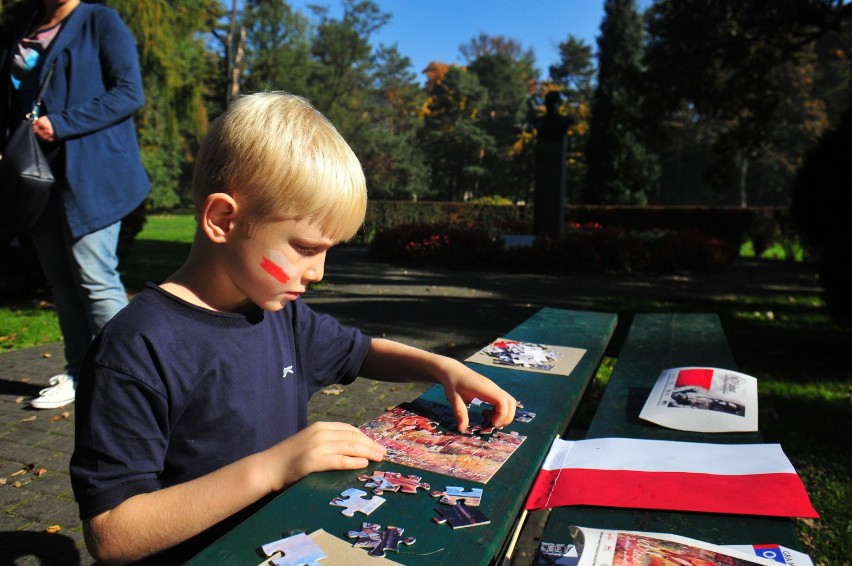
(304, 507)
(656, 342)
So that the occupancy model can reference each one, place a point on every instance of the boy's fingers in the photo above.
(351, 463)
(358, 444)
(460, 410)
(504, 411)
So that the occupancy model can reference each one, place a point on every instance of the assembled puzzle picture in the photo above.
(415, 436)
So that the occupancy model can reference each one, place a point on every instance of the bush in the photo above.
(735, 225)
(443, 244)
(587, 247)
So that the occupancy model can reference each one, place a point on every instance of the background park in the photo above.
(708, 149)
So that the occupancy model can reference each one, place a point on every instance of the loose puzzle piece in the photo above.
(297, 550)
(455, 495)
(371, 536)
(557, 554)
(521, 415)
(524, 416)
(461, 516)
(353, 500)
(392, 481)
(378, 483)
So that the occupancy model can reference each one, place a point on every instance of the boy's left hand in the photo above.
(462, 384)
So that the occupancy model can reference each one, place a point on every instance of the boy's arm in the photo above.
(151, 522)
(392, 361)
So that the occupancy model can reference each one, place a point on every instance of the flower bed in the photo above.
(588, 247)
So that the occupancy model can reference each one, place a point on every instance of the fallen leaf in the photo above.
(47, 355)
(17, 484)
(40, 472)
(3, 481)
(19, 400)
(25, 470)
(53, 529)
(333, 390)
(63, 416)
(24, 380)
(29, 419)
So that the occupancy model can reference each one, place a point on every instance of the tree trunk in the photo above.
(743, 179)
(235, 51)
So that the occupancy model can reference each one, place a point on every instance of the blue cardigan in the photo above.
(91, 98)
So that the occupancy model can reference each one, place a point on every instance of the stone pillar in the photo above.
(550, 183)
(550, 171)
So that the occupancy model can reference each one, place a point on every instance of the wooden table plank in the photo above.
(304, 506)
(656, 342)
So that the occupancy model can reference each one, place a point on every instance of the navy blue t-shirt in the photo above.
(170, 391)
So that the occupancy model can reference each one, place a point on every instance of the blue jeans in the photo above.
(83, 275)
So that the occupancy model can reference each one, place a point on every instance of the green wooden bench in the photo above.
(656, 342)
(305, 506)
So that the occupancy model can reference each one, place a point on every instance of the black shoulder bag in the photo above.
(25, 175)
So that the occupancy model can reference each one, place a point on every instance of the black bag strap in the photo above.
(33, 114)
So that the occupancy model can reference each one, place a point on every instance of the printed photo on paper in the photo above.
(632, 548)
(703, 399)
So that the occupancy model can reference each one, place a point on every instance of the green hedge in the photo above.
(734, 225)
(589, 248)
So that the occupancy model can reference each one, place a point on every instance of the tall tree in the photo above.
(733, 62)
(507, 83)
(484, 44)
(575, 70)
(342, 52)
(277, 47)
(175, 69)
(621, 169)
(392, 159)
(454, 143)
(573, 76)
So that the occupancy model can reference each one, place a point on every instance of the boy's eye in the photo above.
(306, 250)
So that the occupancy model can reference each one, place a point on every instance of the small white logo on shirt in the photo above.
(287, 370)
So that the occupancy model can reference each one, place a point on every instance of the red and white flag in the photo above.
(742, 479)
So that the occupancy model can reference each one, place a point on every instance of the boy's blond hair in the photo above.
(279, 158)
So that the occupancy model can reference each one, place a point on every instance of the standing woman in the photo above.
(85, 125)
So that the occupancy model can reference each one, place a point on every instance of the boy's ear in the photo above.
(217, 217)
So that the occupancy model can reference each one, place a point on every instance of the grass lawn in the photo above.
(785, 340)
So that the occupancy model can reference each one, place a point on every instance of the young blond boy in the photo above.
(192, 403)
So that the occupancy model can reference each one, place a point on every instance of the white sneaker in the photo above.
(59, 394)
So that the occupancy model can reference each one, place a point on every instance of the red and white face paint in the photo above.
(276, 264)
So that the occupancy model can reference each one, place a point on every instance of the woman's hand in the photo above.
(43, 128)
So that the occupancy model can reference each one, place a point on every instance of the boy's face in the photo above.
(275, 264)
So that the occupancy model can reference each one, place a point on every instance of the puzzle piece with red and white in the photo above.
(393, 481)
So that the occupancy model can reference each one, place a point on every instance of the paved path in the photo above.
(451, 312)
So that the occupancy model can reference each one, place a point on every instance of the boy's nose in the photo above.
(316, 269)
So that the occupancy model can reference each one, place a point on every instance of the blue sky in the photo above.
(432, 30)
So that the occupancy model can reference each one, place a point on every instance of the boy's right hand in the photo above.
(320, 447)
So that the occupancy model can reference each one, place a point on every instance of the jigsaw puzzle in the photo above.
(454, 495)
(354, 500)
(439, 449)
(297, 550)
(461, 516)
(527, 356)
(392, 481)
(378, 541)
